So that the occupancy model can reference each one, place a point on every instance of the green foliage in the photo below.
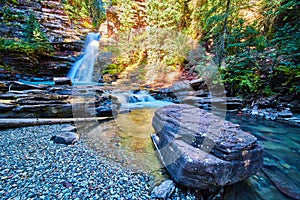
(276, 14)
(254, 53)
(10, 1)
(83, 11)
(289, 76)
(14, 45)
(113, 69)
(9, 15)
(287, 42)
(34, 35)
(164, 48)
(166, 14)
(255, 44)
(34, 41)
(127, 15)
(33, 31)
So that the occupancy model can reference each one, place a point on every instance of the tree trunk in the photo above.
(21, 122)
(223, 38)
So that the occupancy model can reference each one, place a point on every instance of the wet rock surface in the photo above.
(195, 92)
(279, 113)
(201, 150)
(22, 100)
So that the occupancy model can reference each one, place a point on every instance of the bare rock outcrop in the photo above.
(66, 38)
(201, 150)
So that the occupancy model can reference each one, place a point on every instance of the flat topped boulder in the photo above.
(201, 150)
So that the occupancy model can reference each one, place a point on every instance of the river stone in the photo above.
(164, 190)
(65, 138)
(15, 85)
(201, 150)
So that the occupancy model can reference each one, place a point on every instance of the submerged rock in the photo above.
(201, 150)
(282, 182)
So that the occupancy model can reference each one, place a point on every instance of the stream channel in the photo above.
(126, 140)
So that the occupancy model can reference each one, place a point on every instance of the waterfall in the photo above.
(82, 70)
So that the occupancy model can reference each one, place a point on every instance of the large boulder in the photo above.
(201, 150)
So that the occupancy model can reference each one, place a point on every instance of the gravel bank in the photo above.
(32, 167)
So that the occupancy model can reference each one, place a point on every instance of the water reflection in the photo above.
(280, 175)
(127, 141)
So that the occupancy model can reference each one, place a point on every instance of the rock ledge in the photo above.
(201, 150)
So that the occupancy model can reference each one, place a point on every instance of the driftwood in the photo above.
(17, 122)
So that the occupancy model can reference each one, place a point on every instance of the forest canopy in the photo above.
(254, 43)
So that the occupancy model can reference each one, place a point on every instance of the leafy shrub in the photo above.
(113, 69)
(34, 41)
(87, 10)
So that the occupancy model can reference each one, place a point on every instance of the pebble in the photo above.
(32, 166)
(52, 171)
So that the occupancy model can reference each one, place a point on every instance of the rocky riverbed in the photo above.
(33, 167)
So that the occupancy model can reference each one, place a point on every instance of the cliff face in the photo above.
(64, 36)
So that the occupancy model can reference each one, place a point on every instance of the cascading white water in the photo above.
(135, 100)
(82, 69)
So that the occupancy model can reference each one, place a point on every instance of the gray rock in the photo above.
(65, 138)
(285, 113)
(6, 107)
(15, 85)
(164, 190)
(201, 150)
(254, 110)
(282, 182)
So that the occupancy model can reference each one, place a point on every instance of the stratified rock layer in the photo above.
(201, 150)
(62, 33)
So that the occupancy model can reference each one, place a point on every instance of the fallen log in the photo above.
(17, 122)
(62, 81)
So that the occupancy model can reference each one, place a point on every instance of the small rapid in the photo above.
(138, 99)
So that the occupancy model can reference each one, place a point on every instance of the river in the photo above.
(126, 139)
